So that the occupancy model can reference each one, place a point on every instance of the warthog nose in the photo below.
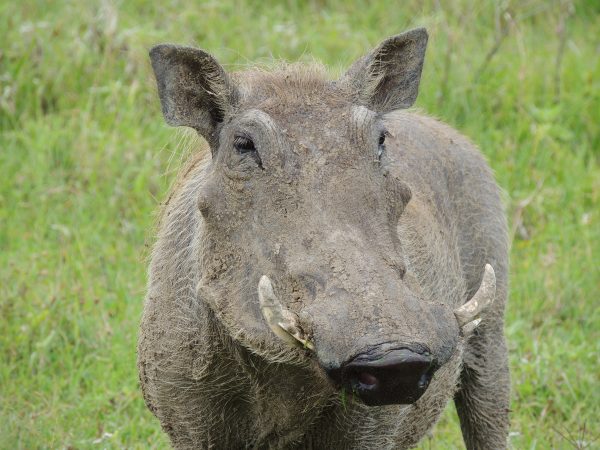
(397, 377)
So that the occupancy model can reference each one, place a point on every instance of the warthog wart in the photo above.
(332, 272)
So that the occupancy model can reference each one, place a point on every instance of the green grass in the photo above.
(85, 159)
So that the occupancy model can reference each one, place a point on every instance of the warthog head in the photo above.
(301, 259)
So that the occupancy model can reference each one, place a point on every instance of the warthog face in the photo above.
(301, 258)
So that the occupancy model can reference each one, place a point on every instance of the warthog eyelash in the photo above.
(244, 145)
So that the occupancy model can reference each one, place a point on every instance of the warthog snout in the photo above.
(399, 376)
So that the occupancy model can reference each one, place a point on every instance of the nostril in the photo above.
(396, 377)
(367, 379)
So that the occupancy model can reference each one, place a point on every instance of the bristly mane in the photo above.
(288, 82)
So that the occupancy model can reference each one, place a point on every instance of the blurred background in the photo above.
(86, 159)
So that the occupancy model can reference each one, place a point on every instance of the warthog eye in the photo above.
(381, 147)
(245, 146)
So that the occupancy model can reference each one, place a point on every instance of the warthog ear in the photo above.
(388, 78)
(194, 90)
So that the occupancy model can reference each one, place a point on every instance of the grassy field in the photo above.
(85, 160)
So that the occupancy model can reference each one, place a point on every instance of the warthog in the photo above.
(332, 272)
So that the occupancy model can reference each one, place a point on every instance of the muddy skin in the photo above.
(317, 276)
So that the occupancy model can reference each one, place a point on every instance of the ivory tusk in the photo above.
(281, 321)
(482, 299)
(468, 328)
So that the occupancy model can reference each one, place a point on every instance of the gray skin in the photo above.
(367, 246)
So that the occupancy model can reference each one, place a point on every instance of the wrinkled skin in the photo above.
(369, 246)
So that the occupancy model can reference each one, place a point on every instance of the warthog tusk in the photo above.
(468, 314)
(468, 328)
(283, 322)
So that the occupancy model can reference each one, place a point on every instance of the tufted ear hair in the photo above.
(388, 77)
(194, 90)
